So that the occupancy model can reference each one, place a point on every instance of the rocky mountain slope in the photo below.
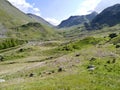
(108, 17)
(76, 20)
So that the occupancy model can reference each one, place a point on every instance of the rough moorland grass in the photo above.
(73, 46)
(100, 79)
(75, 77)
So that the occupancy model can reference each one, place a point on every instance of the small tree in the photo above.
(112, 35)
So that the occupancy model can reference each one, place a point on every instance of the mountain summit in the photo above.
(108, 17)
(76, 20)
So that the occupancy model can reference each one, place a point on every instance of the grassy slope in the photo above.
(79, 32)
(34, 31)
(11, 16)
(44, 60)
(14, 18)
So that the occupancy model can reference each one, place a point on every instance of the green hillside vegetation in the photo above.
(16, 24)
(11, 16)
(116, 40)
(77, 32)
(64, 65)
(10, 42)
(33, 31)
(73, 32)
(34, 56)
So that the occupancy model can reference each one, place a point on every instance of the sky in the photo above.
(54, 11)
(106, 3)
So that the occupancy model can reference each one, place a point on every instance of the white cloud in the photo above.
(87, 6)
(53, 21)
(106, 3)
(26, 7)
(36, 9)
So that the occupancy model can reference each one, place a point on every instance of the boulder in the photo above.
(60, 69)
(1, 58)
(77, 55)
(31, 75)
(2, 80)
(91, 67)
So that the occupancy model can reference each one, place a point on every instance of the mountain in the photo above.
(108, 17)
(76, 20)
(39, 19)
(16, 24)
(10, 16)
(104, 4)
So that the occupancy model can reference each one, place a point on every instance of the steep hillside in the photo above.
(11, 16)
(108, 17)
(76, 20)
(33, 31)
(16, 24)
(39, 19)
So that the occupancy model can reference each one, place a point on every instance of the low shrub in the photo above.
(10, 42)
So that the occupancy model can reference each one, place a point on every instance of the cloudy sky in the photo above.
(106, 3)
(55, 11)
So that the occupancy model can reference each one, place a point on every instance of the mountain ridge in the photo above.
(16, 24)
(108, 17)
(39, 19)
(12, 16)
(76, 20)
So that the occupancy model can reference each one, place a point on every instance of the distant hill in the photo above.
(16, 24)
(33, 31)
(39, 19)
(76, 20)
(108, 17)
